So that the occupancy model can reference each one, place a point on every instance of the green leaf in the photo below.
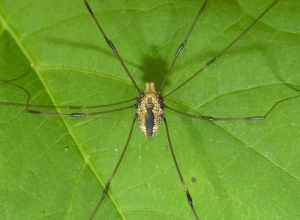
(56, 167)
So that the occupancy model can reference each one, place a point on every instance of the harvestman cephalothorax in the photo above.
(149, 105)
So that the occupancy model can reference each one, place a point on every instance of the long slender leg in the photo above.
(224, 50)
(77, 114)
(248, 118)
(187, 192)
(111, 45)
(183, 44)
(51, 109)
(68, 110)
(115, 170)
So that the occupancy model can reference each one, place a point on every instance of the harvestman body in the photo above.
(150, 110)
(149, 104)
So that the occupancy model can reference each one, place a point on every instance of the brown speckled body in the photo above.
(150, 110)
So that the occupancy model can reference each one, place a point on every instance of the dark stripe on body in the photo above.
(149, 122)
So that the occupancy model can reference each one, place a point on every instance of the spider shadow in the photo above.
(155, 69)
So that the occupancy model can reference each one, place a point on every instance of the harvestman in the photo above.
(149, 104)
